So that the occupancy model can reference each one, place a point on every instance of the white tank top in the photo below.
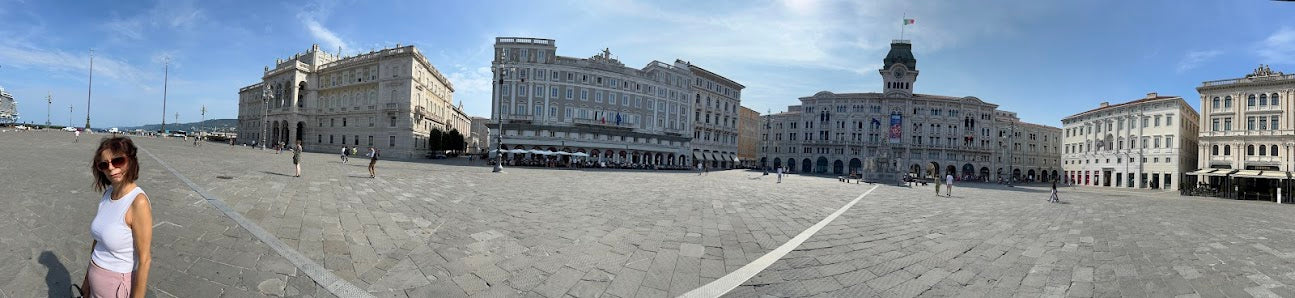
(115, 249)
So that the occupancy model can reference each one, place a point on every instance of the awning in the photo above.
(695, 157)
(1248, 174)
(1211, 172)
(715, 157)
(1276, 174)
(735, 159)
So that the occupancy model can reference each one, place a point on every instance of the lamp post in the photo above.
(499, 118)
(49, 101)
(89, 89)
(266, 95)
(166, 67)
(764, 158)
(1011, 145)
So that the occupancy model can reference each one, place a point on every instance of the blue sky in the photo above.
(1042, 59)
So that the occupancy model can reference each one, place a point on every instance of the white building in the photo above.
(8, 107)
(594, 105)
(715, 117)
(1247, 144)
(881, 135)
(1148, 142)
(390, 99)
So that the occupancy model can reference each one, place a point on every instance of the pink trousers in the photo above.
(104, 283)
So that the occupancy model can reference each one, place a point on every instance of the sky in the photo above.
(1042, 59)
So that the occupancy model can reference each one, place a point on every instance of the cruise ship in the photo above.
(8, 107)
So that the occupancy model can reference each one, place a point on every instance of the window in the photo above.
(1275, 99)
(393, 121)
(370, 140)
(1215, 102)
(1273, 123)
(1169, 119)
(370, 121)
(1227, 102)
(1250, 101)
(391, 141)
(1227, 124)
(553, 92)
(1169, 141)
(1250, 150)
(1227, 150)
(1272, 150)
(584, 94)
(1157, 120)
(1214, 124)
(1263, 101)
(1250, 123)
(1214, 150)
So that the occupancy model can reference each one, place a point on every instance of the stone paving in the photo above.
(454, 230)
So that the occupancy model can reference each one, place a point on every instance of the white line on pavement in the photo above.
(335, 285)
(730, 281)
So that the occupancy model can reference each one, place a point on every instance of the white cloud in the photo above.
(180, 15)
(75, 64)
(1195, 58)
(312, 16)
(1278, 47)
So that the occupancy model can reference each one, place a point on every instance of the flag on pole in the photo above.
(618, 118)
(909, 21)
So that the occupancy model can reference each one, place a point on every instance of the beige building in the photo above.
(1247, 140)
(882, 135)
(390, 99)
(1148, 142)
(715, 117)
(748, 136)
(596, 106)
(477, 141)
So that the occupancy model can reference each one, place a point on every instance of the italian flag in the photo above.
(909, 21)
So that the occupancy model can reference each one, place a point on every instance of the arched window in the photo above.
(1263, 99)
(1227, 149)
(1272, 150)
(1250, 149)
(1250, 101)
(1215, 150)
(301, 94)
(1263, 150)
(1216, 102)
(1275, 99)
(1227, 101)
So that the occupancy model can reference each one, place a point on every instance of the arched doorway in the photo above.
(968, 172)
(933, 170)
(301, 94)
(804, 165)
(1030, 175)
(856, 165)
(777, 162)
(951, 170)
(274, 134)
(838, 167)
(916, 170)
(1016, 174)
(984, 174)
(764, 162)
(820, 166)
(1054, 174)
(791, 165)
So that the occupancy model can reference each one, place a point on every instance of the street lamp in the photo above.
(499, 118)
(1011, 145)
(266, 96)
(89, 89)
(764, 159)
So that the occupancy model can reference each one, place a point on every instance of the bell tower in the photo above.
(899, 69)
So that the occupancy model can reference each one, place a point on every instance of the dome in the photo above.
(823, 93)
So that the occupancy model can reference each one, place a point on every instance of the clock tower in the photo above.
(899, 69)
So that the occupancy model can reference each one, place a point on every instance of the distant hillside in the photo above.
(209, 125)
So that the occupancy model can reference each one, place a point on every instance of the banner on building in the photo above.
(896, 128)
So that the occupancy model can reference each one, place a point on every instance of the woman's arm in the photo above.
(142, 227)
(85, 287)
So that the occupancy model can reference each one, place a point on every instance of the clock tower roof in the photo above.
(901, 51)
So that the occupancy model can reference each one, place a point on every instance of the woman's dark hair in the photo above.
(117, 145)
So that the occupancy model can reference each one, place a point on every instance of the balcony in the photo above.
(1248, 133)
(519, 117)
(1227, 110)
(392, 107)
(1263, 159)
(1264, 108)
(600, 123)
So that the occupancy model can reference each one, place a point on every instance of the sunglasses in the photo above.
(116, 162)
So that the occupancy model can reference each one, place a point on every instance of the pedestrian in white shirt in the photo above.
(948, 185)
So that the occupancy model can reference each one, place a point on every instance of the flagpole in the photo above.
(903, 23)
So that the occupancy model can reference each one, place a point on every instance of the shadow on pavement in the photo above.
(273, 173)
(56, 276)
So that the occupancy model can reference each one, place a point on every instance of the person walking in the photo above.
(938, 181)
(699, 172)
(948, 185)
(345, 152)
(779, 174)
(373, 160)
(78, 136)
(1054, 198)
(122, 228)
(296, 158)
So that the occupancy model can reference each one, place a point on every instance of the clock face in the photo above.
(898, 73)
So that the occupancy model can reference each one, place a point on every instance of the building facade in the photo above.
(8, 107)
(881, 135)
(1247, 140)
(748, 136)
(596, 106)
(390, 99)
(1148, 142)
(477, 141)
(715, 117)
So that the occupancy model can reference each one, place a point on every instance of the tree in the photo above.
(455, 140)
(434, 141)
